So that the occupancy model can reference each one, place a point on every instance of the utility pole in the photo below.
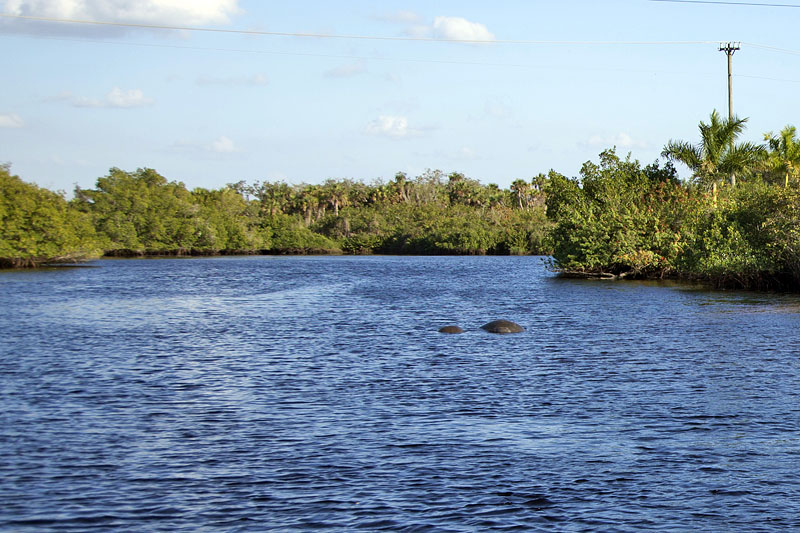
(729, 49)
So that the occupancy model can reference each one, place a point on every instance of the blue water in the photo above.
(315, 393)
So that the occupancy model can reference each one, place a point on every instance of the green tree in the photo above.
(228, 221)
(306, 202)
(358, 193)
(619, 218)
(784, 154)
(142, 211)
(494, 197)
(290, 235)
(401, 188)
(336, 194)
(521, 193)
(717, 156)
(274, 197)
(39, 226)
(464, 191)
(429, 188)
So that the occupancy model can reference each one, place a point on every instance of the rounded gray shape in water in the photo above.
(503, 326)
(451, 329)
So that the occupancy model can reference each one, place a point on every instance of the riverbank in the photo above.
(627, 221)
(618, 220)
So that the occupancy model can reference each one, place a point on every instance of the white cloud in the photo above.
(453, 28)
(11, 120)
(182, 12)
(116, 98)
(256, 80)
(347, 70)
(130, 98)
(223, 145)
(622, 140)
(457, 28)
(391, 126)
(154, 12)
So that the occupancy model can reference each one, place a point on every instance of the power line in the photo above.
(424, 39)
(757, 4)
(773, 48)
(412, 60)
(363, 57)
(765, 78)
(412, 39)
(421, 60)
(335, 36)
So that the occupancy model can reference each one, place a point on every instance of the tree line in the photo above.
(142, 213)
(732, 223)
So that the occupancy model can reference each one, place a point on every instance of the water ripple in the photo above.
(275, 394)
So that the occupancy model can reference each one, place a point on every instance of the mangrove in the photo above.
(732, 223)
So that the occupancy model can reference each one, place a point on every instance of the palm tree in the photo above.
(784, 153)
(494, 195)
(520, 191)
(306, 201)
(401, 187)
(273, 196)
(717, 155)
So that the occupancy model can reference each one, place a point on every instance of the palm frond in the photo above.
(742, 159)
(730, 129)
(682, 151)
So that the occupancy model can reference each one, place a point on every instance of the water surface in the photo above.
(314, 393)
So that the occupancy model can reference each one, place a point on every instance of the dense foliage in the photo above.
(625, 220)
(138, 212)
(141, 212)
(617, 218)
(37, 225)
(718, 156)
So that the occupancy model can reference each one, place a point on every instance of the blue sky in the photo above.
(209, 108)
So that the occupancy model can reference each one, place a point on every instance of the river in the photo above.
(315, 393)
